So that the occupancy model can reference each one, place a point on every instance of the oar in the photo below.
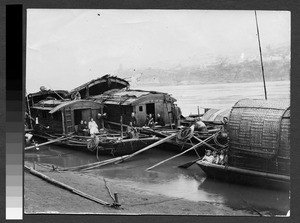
(190, 163)
(193, 147)
(49, 142)
(148, 147)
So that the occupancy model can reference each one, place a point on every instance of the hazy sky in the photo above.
(66, 48)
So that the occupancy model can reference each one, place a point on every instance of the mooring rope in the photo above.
(185, 134)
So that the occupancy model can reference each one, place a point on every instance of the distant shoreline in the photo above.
(206, 83)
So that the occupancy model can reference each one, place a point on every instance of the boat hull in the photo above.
(113, 146)
(244, 176)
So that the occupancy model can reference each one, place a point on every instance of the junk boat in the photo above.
(123, 102)
(57, 121)
(259, 145)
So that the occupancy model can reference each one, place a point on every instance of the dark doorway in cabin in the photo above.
(77, 116)
(150, 108)
(81, 114)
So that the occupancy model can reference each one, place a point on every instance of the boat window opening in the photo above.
(140, 108)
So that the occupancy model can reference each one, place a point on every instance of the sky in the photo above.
(66, 48)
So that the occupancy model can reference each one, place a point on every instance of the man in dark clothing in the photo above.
(82, 129)
(176, 115)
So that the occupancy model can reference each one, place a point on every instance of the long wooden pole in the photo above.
(148, 147)
(64, 186)
(261, 61)
(193, 147)
(121, 121)
(49, 142)
(205, 143)
(92, 165)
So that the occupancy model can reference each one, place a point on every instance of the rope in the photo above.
(218, 143)
(185, 134)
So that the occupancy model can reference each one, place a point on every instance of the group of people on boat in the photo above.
(132, 130)
(151, 123)
(90, 128)
(215, 157)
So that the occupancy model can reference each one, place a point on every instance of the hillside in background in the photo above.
(222, 70)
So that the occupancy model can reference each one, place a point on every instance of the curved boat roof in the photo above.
(100, 85)
(130, 97)
(69, 103)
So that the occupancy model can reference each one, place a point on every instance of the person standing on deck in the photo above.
(101, 118)
(133, 119)
(176, 111)
(93, 127)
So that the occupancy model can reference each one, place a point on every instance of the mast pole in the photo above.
(261, 61)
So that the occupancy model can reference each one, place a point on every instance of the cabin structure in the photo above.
(63, 117)
(98, 86)
(259, 136)
(122, 102)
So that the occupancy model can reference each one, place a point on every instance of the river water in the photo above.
(223, 95)
(191, 183)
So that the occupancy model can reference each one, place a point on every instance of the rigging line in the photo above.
(261, 61)
(56, 92)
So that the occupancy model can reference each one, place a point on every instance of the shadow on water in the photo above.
(167, 179)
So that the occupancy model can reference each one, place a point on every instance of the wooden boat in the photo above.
(58, 120)
(259, 145)
(244, 176)
(106, 144)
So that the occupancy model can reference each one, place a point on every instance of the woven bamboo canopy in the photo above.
(260, 128)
